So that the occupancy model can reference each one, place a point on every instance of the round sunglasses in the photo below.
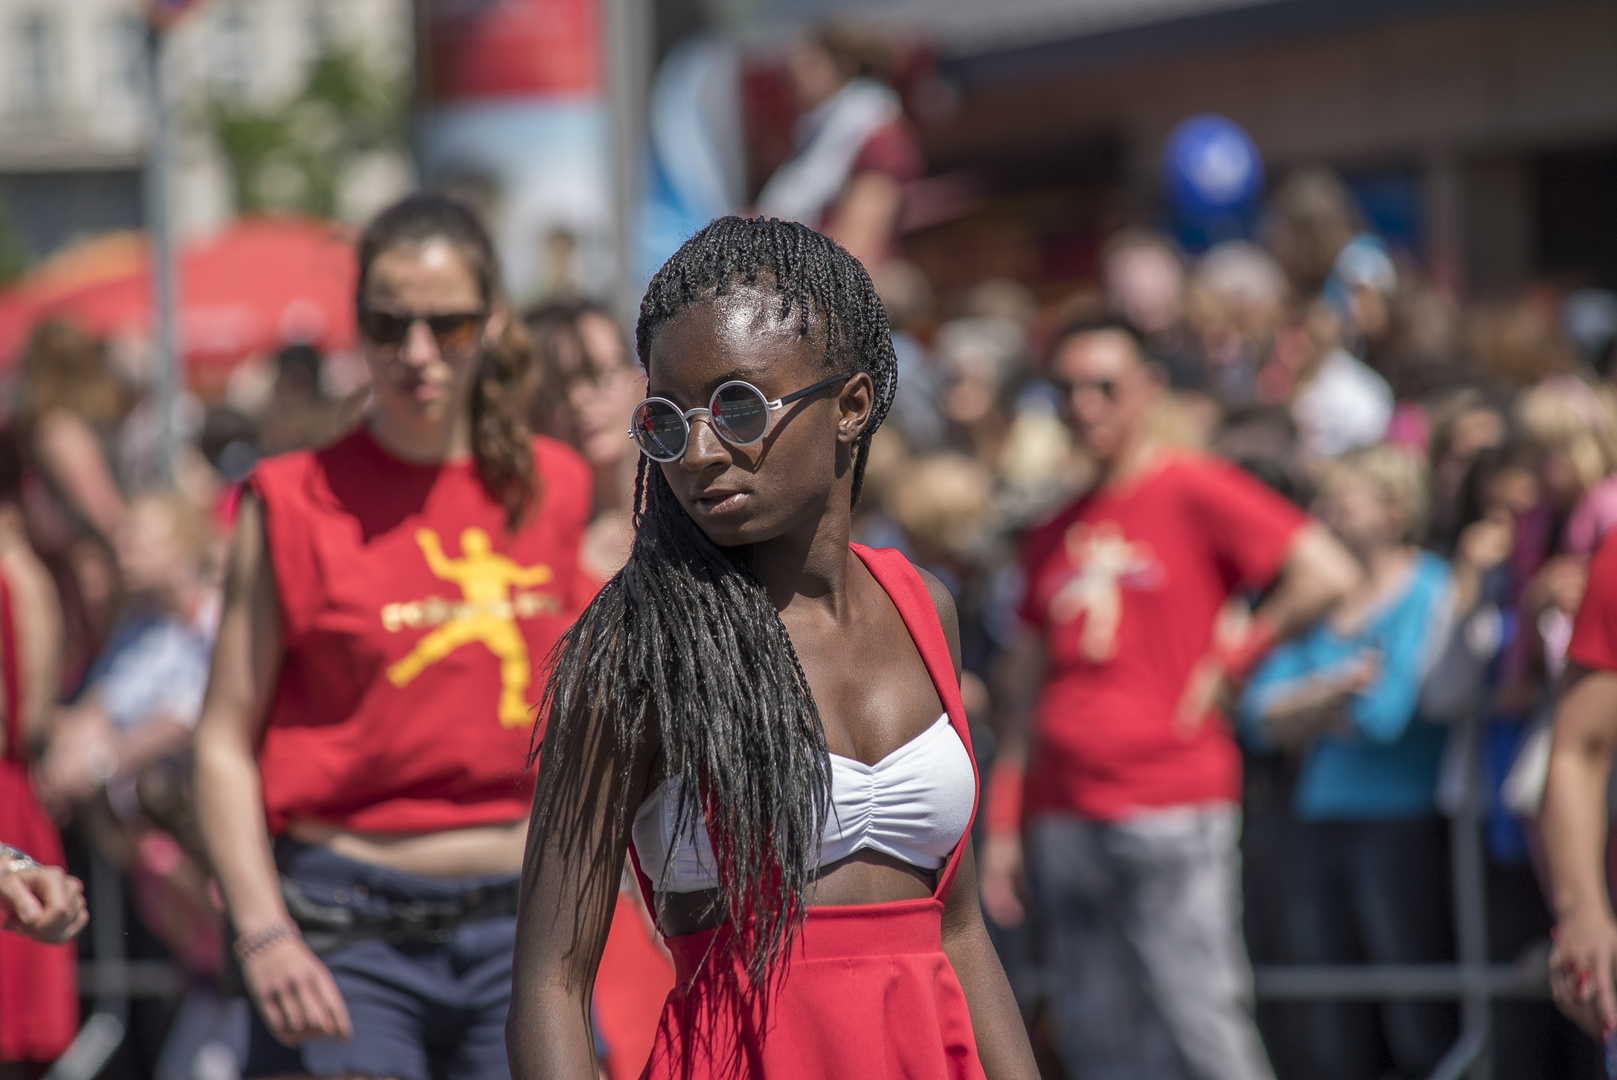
(738, 411)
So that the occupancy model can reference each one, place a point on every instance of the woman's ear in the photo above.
(498, 316)
(854, 405)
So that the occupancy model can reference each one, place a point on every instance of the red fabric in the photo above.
(39, 995)
(892, 149)
(1125, 586)
(1007, 783)
(1594, 631)
(365, 731)
(866, 989)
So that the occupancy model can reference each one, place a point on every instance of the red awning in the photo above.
(256, 286)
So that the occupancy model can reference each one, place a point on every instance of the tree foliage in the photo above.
(292, 157)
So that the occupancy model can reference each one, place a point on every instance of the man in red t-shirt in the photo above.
(1574, 819)
(1130, 812)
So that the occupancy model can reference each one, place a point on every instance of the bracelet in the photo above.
(1003, 805)
(248, 946)
(1238, 658)
(14, 859)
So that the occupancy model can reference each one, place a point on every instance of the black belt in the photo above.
(426, 921)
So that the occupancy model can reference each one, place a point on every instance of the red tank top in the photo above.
(415, 628)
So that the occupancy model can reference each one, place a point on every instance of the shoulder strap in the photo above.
(910, 595)
(10, 670)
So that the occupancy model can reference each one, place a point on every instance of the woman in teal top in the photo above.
(1366, 867)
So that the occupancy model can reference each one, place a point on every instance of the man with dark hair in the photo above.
(1131, 817)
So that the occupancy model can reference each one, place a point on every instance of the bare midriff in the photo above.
(865, 877)
(479, 851)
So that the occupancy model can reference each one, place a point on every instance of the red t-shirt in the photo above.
(1125, 586)
(414, 628)
(1594, 631)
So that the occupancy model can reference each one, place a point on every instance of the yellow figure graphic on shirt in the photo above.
(486, 579)
(1102, 558)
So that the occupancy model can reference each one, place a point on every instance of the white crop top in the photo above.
(914, 804)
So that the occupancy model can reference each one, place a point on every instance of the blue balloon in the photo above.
(1211, 168)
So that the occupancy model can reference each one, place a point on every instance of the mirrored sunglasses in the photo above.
(739, 412)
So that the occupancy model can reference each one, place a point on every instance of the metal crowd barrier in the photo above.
(1471, 980)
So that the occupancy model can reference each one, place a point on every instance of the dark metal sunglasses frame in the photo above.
(450, 329)
(719, 427)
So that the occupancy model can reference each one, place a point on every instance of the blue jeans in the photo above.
(1139, 925)
(1370, 891)
(421, 1011)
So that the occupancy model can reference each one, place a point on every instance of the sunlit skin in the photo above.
(421, 411)
(1109, 427)
(601, 406)
(1107, 391)
(787, 498)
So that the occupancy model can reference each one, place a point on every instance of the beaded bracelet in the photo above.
(248, 946)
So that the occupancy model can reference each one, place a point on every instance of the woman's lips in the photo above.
(717, 503)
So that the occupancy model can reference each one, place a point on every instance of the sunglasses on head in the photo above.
(738, 411)
(452, 330)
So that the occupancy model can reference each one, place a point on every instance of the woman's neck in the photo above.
(424, 442)
(810, 563)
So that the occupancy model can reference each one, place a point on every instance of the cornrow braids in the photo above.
(684, 642)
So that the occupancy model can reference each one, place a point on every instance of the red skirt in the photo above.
(867, 992)
(39, 998)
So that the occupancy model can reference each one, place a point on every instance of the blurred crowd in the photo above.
(1479, 440)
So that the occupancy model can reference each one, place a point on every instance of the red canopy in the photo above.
(256, 286)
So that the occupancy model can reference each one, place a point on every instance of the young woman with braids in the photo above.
(765, 716)
(360, 757)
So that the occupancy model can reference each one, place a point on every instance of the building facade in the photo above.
(75, 114)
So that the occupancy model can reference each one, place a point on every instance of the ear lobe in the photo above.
(495, 326)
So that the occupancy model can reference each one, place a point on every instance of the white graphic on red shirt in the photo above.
(1104, 561)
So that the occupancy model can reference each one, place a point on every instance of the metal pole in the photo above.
(159, 227)
(1470, 904)
(627, 53)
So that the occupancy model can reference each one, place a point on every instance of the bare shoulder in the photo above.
(948, 615)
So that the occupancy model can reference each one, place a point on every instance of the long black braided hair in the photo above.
(685, 643)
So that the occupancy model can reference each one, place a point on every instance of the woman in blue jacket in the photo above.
(1366, 866)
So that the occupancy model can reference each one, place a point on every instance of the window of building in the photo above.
(232, 60)
(123, 58)
(35, 66)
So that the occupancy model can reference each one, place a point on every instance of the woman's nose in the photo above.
(419, 347)
(703, 448)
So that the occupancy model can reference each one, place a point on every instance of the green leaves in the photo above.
(293, 157)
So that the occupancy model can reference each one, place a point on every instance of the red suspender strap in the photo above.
(10, 670)
(909, 594)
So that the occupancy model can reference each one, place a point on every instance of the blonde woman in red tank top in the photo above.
(361, 753)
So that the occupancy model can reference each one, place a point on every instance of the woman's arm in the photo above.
(292, 989)
(1583, 965)
(39, 644)
(865, 219)
(1382, 711)
(570, 877)
(70, 451)
(1002, 1043)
